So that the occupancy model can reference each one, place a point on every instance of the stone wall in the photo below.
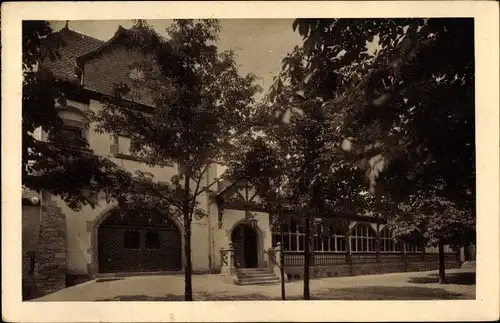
(30, 231)
(50, 264)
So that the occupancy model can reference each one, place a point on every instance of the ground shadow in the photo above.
(145, 298)
(387, 293)
(348, 294)
(203, 296)
(455, 278)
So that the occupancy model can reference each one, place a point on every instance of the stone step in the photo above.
(255, 274)
(268, 277)
(254, 270)
(260, 281)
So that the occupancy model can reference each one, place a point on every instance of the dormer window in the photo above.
(136, 74)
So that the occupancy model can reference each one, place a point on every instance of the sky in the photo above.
(259, 44)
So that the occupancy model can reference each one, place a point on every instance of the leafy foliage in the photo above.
(434, 220)
(294, 165)
(410, 100)
(399, 100)
(61, 166)
(200, 107)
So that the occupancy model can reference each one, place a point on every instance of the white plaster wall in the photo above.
(78, 237)
(230, 219)
(79, 253)
(200, 246)
(200, 243)
(78, 234)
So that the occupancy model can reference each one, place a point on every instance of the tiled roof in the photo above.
(110, 67)
(104, 64)
(76, 44)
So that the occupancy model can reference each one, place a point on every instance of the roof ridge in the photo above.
(79, 33)
(85, 56)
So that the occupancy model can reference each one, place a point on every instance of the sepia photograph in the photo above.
(249, 159)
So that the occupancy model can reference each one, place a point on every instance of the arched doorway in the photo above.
(245, 240)
(138, 243)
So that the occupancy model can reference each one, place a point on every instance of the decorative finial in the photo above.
(66, 26)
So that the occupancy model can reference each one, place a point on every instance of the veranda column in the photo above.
(377, 250)
(348, 247)
(405, 259)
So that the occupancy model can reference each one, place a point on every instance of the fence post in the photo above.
(377, 249)
(405, 260)
(348, 249)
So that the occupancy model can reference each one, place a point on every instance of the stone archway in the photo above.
(153, 238)
(247, 244)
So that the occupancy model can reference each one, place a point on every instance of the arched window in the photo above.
(363, 238)
(387, 242)
(325, 236)
(329, 237)
(293, 235)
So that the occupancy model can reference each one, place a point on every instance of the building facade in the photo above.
(98, 241)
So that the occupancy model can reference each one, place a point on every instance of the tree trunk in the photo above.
(188, 288)
(442, 277)
(307, 258)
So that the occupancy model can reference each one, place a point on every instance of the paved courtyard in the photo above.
(396, 286)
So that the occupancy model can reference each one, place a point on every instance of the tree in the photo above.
(200, 106)
(60, 166)
(436, 222)
(294, 158)
(259, 164)
(404, 110)
(413, 83)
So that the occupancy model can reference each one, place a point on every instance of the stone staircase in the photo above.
(256, 276)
